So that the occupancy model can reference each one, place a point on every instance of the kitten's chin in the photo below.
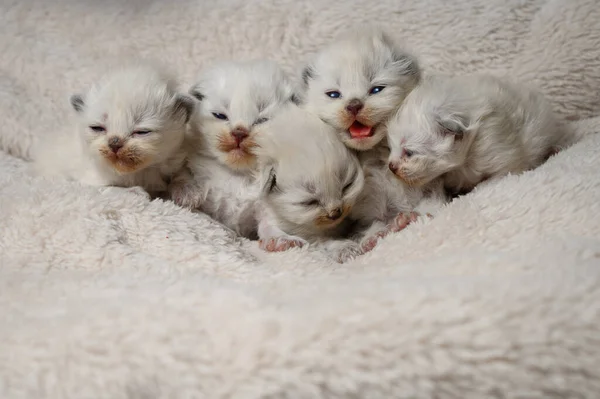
(240, 159)
(411, 181)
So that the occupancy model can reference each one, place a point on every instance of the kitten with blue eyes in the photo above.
(357, 83)
(235, 100)
(467, 129)
(310, 183)
(131, 132)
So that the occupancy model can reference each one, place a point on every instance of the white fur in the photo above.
(129, 100)
(352, 66)
(308, 177)
(221, 181)
(471, 128)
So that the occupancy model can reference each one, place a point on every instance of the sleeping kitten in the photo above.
(235, 101)
(310, 183)
(471, 128)
(387, 204)
(131, 131)
(357, 83)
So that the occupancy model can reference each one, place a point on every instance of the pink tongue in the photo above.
(358, 130)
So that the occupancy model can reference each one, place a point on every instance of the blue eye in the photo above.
(141, 132)
(333, 94)
(376, 89)
(217, 115)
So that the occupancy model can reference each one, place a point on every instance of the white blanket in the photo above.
(108, 295)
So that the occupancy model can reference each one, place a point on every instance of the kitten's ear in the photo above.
(455, 125)
(268, 180)
(196, 91)
(295, 98)
(184, 106)
(308, 73)
(406, 63)
(77, 102)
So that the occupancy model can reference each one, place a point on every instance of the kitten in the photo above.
(357, 83)
(235, 99)
(310, 182)
(131, 132)
(387, 204)
(468, 129)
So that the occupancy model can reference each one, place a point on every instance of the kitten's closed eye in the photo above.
(98, 129)
(222, 117)
(142, 132)
(260, 120)
(347, 186)
(312, 202)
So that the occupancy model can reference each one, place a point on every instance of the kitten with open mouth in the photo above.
(357, 83)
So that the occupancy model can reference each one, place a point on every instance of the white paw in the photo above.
(185, 195)
(280, 244)
(348, 252)
(371, 241)
(402, 220)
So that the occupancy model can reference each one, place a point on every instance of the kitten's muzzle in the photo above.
(354, 106)
(393, 167)
(115, 144)
(239, 134)
(334, 214)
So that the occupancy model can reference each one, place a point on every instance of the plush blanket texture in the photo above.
(104, 294)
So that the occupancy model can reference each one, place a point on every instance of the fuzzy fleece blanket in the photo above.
(109, 295)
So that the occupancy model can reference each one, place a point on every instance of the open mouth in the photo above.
(359, 131)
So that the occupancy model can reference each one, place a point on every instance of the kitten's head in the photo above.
(236, 99)
(428, 136)
(356, 83)
(133, 118)
(310, 179)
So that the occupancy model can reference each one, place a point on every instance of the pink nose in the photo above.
(115, 144)
(239, 133)
(393, 167)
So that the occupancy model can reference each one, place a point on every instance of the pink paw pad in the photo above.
(402, 220)
(372, 241)
(279, 244)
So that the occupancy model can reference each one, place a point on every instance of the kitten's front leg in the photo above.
(184, 190)
(272, 239)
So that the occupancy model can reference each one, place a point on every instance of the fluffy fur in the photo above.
(471, 128)
(236, 99)
(387, 204)
(112, 296)
(310, 181)
(357, 82)
(130, 132)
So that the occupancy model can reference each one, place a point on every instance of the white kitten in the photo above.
(357, 83)
(470, 128)
(310, 183)
(235, 100)
(387, 204)
(131, 130)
